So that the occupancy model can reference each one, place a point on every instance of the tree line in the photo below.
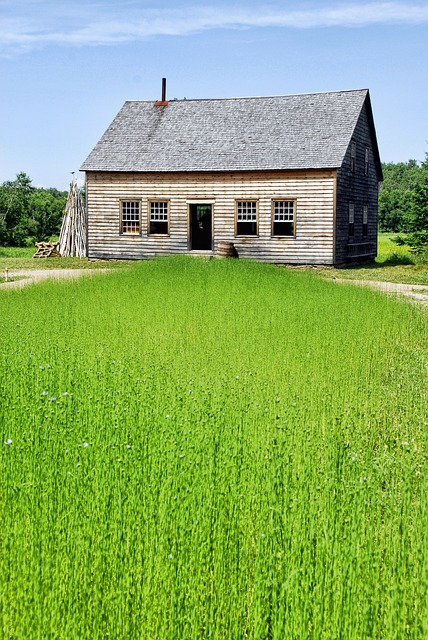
(403, 203)
(29, 213)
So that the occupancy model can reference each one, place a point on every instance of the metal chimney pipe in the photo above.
(164, 101)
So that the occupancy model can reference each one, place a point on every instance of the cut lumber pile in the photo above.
(72, 237)
(47, 250)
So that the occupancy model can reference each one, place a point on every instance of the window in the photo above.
(365, 220)
(353, 155)
(351, 220)
(283, 217)
(246, 218)
(158, 217)
(130, 216)
(366, 161)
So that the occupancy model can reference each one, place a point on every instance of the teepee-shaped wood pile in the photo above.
(72, 237)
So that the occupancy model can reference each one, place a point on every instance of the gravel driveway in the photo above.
(417, 292)
(37, 275)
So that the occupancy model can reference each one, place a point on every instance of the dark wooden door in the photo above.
(201, 227)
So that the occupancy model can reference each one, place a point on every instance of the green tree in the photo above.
(418, 237)
(395, 195)
(14, 204)
(27, 212)
(46, 211)
(417, 220)
(394, 209)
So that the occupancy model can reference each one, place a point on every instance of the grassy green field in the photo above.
(21, 258)
(212, 449)
(393, 264)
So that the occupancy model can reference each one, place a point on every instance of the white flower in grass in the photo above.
(45, 393)
(86, 444)
(52, 399)
(65, 393)
(170, 556)
(8, 441)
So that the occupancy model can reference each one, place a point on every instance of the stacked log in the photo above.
(72, 238)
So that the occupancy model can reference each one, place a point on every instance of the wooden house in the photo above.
(286, 179)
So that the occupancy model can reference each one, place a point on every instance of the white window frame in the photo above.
(130, 217)
(288, 215)
(246, 211)
(158, 211)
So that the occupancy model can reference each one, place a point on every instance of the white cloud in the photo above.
(109, 24)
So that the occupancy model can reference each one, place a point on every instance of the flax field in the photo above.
(197, 449)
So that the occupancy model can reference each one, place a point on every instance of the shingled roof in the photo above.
(308, 131)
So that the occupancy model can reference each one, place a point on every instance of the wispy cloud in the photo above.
(24, 27)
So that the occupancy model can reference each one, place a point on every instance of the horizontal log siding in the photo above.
(360, 189)
(313, 192)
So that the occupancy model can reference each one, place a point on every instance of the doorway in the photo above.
(200, 217)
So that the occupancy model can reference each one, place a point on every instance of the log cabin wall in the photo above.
(361, 189)
(313, 192)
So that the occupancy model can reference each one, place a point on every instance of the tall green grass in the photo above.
(212, 449)
(17, 252)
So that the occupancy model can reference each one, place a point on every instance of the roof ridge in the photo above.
(288, 95)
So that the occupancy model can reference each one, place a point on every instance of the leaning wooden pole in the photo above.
(72, 237)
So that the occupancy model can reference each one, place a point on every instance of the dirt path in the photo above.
(417, 292)
(32, 276)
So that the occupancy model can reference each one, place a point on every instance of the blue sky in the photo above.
(67, 67)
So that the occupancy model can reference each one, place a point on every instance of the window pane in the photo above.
(283, 229)
(158, 227)
(246, 228)
(283, 218)
(366, 161)
(247, 211)
(246, 218)
(130, 222)
(365, 220)
(353, 155)
(351, 219)
(159, 217)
